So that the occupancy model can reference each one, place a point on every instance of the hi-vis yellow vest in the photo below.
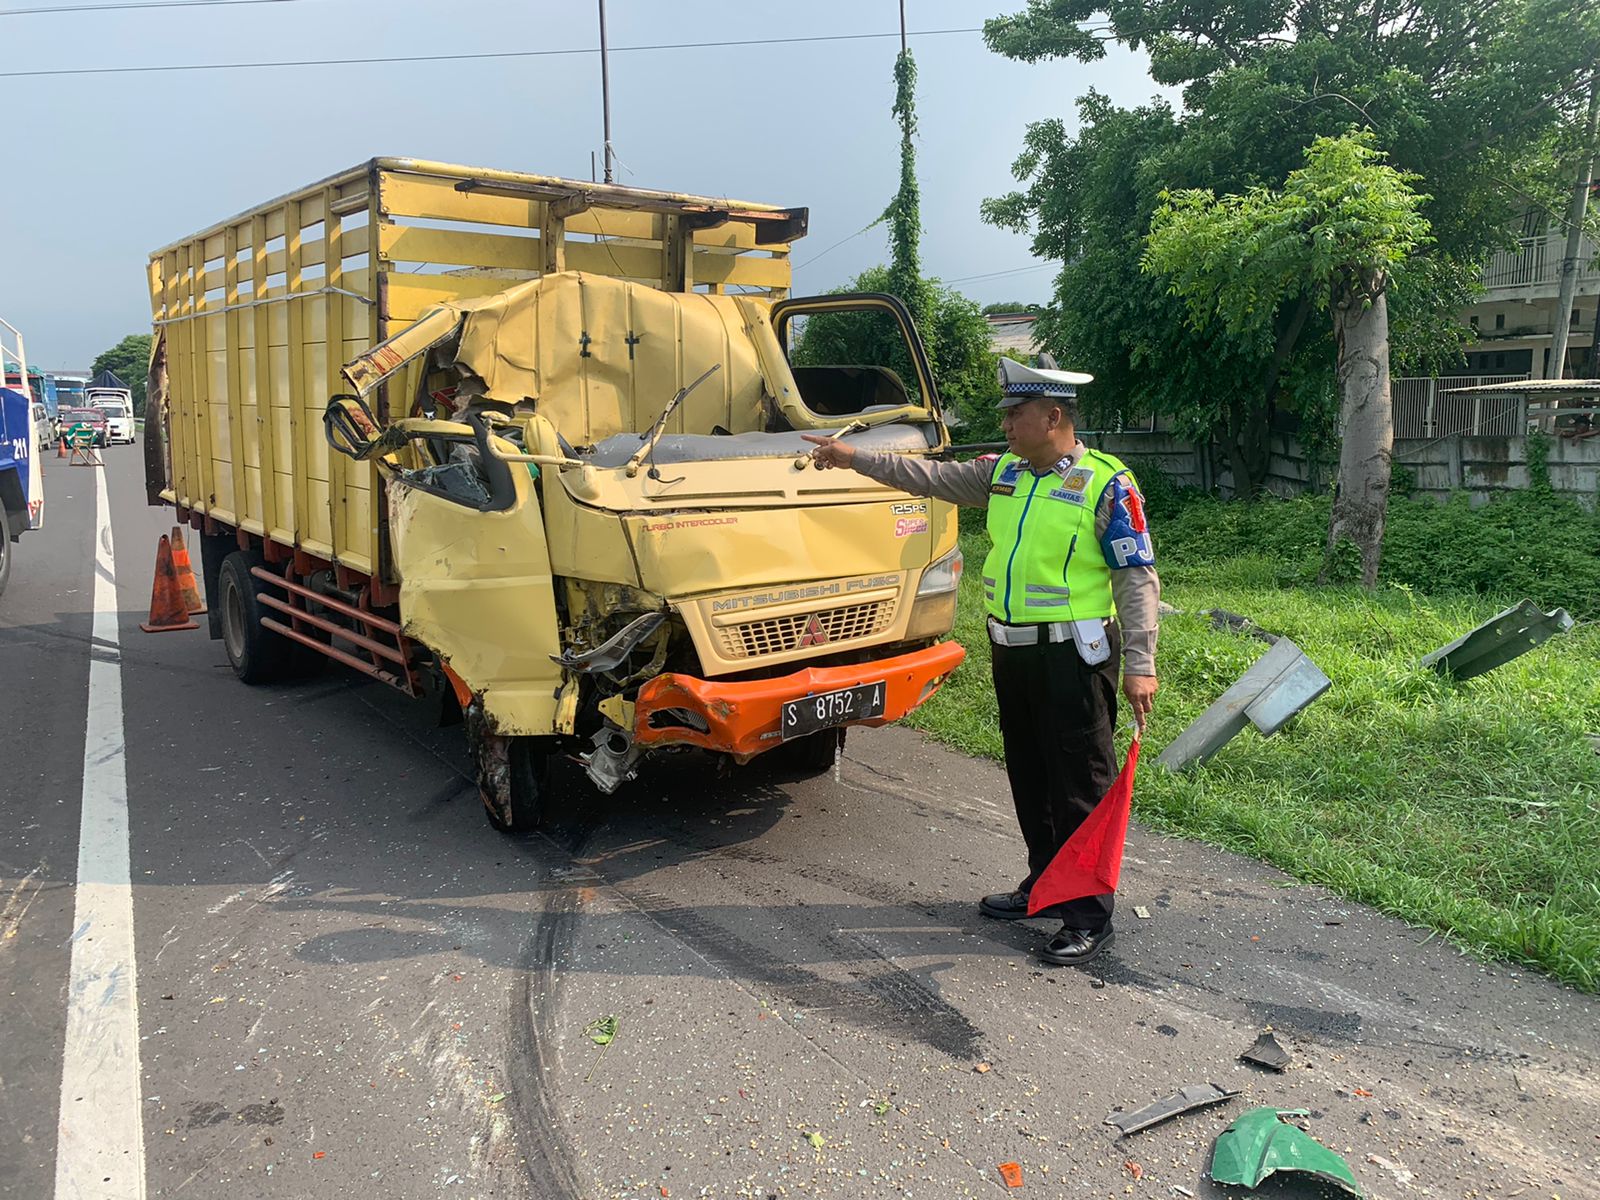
(1046, 562)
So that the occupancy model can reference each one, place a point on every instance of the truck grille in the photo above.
(775, 635)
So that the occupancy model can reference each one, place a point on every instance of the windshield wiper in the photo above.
(661, 425)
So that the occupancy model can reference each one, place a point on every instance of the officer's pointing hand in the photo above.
(830, 452)
(1141, 693)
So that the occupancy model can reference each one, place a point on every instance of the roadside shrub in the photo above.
(1532, 544)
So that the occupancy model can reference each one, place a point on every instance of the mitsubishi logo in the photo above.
(814, 635)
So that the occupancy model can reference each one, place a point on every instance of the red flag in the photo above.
(1090, 862)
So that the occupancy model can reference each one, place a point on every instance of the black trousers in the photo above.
(1057, 717)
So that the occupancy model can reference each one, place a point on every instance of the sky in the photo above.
(102, 169)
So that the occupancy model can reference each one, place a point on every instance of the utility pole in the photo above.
(1569, 260)
(902, 26)
(605, 88)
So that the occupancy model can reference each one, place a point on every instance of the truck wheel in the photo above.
(5, 548)
(811, 755)
(513, 777)
(256, 653)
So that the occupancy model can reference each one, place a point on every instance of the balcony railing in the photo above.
(1536, 263)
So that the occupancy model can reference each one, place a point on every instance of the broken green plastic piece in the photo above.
(1259, 1144)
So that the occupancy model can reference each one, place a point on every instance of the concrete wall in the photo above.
(1480, 466)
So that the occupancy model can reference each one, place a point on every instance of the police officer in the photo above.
(1071, 591)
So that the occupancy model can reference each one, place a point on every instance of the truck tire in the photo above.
(513, 776)
(811, 755)
(5, 548)
(256, 653)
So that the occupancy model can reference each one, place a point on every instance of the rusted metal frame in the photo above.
(310, 618)
(400, 653)
(677, 253)
(333, 359)
(365, 615)
(553, 241)
(366, 668)
(774, 227)
(266, 427)
(235, 374)
(295, 322)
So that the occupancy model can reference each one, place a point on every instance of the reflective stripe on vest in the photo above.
(1045, 563)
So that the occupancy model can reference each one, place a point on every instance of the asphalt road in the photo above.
(347, 983)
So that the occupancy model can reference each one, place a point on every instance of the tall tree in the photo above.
(1462, 93)
(1332, 240)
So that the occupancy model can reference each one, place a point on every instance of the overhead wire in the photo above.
(439, 58)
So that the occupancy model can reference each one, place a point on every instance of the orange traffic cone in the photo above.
(61, 447)
(185, 569)
(167, 612)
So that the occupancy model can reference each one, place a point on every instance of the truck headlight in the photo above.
(933, 611)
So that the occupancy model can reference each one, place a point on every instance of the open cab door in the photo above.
(857, 362)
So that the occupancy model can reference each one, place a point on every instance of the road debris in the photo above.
(1010, 1172)
(1277, 686)
(983, 1068)
(1401, 1174)
(1141, 912)
(1260, 1143)
(1185, 1099)
(1266, 1052)
(1133, 1168)
(1497, 641)
(602, 1031)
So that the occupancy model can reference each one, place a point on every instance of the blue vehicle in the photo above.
(21, 482)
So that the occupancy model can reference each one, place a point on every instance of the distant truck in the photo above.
(109, 394)
(21, 480)
(534, 445)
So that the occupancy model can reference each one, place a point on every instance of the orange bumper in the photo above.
(742, 718)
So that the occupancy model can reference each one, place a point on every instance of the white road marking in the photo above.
(100, 1137)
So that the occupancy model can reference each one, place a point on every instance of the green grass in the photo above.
(1473, 808)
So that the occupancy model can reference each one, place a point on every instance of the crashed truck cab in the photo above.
(606, 527)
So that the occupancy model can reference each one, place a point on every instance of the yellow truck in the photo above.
(533, 445)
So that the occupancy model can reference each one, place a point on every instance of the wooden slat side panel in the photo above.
(294, 340)
(412, 295)
(239, 441)
(338, 514)
(457, 248)
(437, 199)
(748, 270)
(264, 360)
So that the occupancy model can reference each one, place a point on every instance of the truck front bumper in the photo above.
(742, 719)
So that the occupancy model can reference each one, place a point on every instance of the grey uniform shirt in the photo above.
(1136, 591)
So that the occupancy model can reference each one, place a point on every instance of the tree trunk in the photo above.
(1246, 444)
(1366, 451)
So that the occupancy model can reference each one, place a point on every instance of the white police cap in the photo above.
(1019, 384)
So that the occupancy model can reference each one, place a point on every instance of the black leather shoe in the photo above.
(1005, 906)
(1074, 947)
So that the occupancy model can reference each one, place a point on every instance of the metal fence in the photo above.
(1430, 407)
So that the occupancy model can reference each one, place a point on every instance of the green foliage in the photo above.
(1470, 97)
(1539, 444)
(954, 334)
(129, 361)
(904, 214)
(1341, 225)
(1473, 808)
(1544, 547)
(1000, 307)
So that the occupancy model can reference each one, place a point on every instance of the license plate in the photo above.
(827, 709)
